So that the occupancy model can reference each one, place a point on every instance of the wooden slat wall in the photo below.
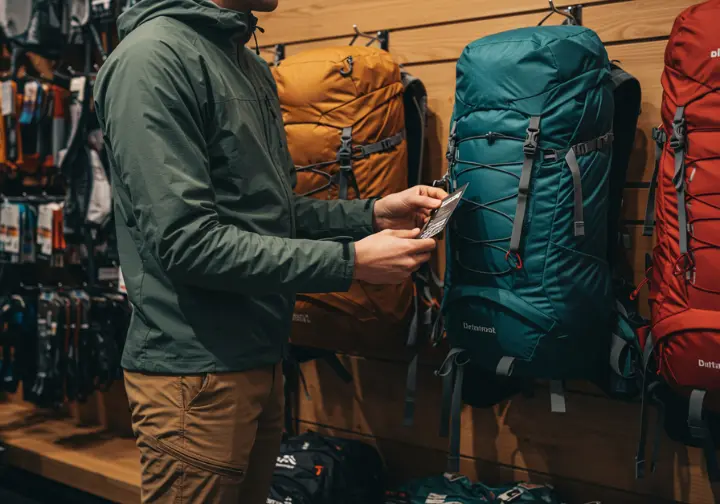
(587, 452)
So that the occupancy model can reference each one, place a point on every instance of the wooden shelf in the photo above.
(90, 459)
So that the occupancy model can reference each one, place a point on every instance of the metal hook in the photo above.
(573, 14)
(381, 37)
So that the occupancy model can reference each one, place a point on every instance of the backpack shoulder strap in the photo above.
(416, 110)
(628, 98)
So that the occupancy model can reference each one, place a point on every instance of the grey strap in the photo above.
(617, 350)
(593, 145)
(640, 455)
(572, 163)
(384, 145)
(455, 421)
(411, 391)
(530, 148)
(660, 138)
(678, 143)
(557, 397)
(505, 366)
(344, 157)
(452, 144)
(447, 372)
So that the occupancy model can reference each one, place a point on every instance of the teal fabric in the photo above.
(457, 489)
(552, 314)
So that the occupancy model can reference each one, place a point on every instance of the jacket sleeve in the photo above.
(317, 219)
(153, 119)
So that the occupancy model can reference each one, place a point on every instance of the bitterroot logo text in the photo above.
(286, 462)
(708, 364)
(303, 318)
(715, 54)
(477, 328)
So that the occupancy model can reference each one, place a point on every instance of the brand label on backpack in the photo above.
(286, 462)
(434, 498)
(303, 318)
(708, 364)
(477, 328)
(715, 54)
(288, 500)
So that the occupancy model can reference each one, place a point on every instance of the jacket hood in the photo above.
(200, 14)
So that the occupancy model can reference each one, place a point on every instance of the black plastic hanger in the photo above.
(381, 37)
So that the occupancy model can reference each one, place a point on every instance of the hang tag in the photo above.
(3, 225)
(12, 223)
(29, 103)
(121, 282)
(8, 98)
(77, 88)
(44, 228)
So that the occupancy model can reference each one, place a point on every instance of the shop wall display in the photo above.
(587, 453)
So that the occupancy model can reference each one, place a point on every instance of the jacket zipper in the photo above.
(283, 179)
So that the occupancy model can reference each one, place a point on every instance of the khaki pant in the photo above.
(210, 438)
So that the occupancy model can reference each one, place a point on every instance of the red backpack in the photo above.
(684, 278)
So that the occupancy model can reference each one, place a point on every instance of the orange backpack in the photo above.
(344, 116)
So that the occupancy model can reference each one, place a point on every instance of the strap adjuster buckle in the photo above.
(531, 142)
(677, 140)
(659, 136)
(581, 149)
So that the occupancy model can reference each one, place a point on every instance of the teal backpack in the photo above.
(529, 287)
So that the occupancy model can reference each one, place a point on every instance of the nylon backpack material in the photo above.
(344, 116)
(528, 285)
(315, 469)
(685, 203)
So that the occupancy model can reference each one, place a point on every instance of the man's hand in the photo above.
(391, 256)
(408, 209)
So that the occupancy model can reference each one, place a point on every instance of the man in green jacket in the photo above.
(214, 245)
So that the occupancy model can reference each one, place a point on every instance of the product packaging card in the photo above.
(441, 216)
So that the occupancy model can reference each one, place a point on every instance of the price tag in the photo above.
(8, 98)
(44, 228)
(12, 229)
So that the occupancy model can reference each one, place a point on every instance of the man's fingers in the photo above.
(433, 192)
(424, 202)
(423, 246)
(403, 233)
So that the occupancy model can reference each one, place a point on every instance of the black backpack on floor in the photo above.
(314, 469)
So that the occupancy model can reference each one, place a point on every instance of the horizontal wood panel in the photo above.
(616, 22)
(88, 458)
(594, 442)
(298, 20)
(405, 461)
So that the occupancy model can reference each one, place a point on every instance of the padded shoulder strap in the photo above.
(628, 97)
(416, 109)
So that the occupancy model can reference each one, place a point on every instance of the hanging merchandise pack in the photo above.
(529, 284)
(345, 111)
(682, 349)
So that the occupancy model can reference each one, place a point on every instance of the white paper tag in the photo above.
(77, 85)
(8, 99)
(44, 228)
(3, 225)
(121, 282)
(12, 228)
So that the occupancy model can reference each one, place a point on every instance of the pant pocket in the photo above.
(195, 460)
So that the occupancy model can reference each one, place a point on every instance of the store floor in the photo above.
(20, 487)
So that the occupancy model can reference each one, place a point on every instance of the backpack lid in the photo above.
(526, 68)
(693, 51)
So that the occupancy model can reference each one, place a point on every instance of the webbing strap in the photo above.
(596, 144)
(678, 143)
(572, 163)
(640, 455)
(344, 157)
(410, 391)
(660, 421)
(700, 431)
(340, 370)
(447, 372)
(529, 150)
(660, 138)
(505, 366)
(452, 144)
(557, 397)
(383, 145)
(616, 352)
(455, 421)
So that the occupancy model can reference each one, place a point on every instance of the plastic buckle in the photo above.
(659, 136)
(344, 155)
(531, 142)
(581, 149)
(450, 155)
(677, 141)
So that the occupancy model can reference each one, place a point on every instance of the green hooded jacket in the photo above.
(213, 243)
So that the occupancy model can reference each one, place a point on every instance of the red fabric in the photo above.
(685, 291)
